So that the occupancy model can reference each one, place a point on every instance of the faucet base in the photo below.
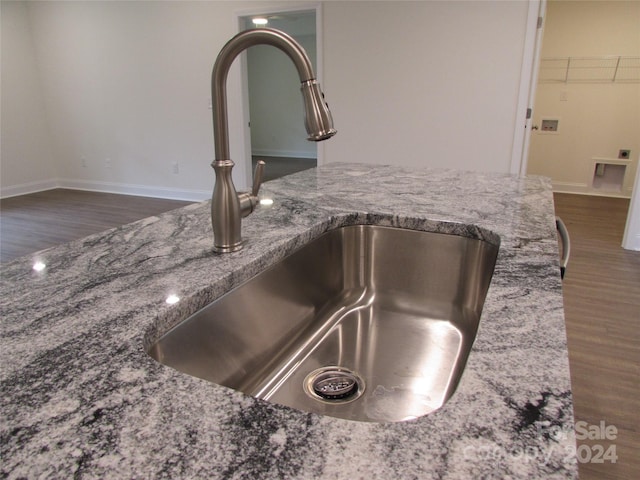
(232, 248)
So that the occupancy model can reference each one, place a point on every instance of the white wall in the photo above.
(596, 120)
(424, 83)
(409, 83)
(128, 88)
(631, 238)
(26, 162)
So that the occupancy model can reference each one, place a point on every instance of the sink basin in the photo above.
(364, 323)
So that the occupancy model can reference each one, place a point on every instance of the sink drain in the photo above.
(333, 385)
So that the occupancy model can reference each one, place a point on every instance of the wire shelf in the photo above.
(590, 69)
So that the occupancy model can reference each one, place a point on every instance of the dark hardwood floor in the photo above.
(29, 223)
(602, 311)
(601, 292)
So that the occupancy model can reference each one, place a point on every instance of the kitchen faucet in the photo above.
(228, 207)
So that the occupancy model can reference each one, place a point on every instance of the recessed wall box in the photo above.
(549, 125)
(609, 174)
(625, 154)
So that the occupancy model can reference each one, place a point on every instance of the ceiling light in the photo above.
(259, 21)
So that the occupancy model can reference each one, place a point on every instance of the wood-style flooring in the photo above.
(602, 312)
(601, 292)
(29, 223)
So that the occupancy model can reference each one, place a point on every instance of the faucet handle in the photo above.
(258, 176)
(249, 200)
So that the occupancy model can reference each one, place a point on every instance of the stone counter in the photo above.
(79, 396)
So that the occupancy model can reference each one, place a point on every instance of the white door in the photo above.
(528, 83)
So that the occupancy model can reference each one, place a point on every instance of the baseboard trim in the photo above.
(138, 190)
(283, 153)
(26, 188)
(107, 187)
(584, 189)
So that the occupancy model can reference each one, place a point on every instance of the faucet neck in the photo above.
(235, 46)
(227, 206)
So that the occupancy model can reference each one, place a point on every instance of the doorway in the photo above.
(587, 114)
(587, 104)
(271, 88)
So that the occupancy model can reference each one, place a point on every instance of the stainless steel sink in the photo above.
(364, 323)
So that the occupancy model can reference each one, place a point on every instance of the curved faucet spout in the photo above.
(227, 206)
(317, 115)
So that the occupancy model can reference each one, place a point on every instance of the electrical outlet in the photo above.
(624, 154)
(175, 168)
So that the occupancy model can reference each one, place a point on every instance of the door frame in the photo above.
(244, 76)
(528, 84)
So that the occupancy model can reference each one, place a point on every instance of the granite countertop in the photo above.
(80, 397)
